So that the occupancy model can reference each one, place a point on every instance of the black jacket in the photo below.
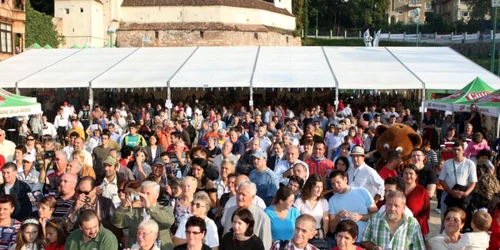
(20, 192)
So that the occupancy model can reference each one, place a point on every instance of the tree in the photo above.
(39, 28)
(44, 6)
(479, 9)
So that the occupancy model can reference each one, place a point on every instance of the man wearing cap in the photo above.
(29, 175)
(333, 139)
(109, 185)
(362, 175)
(266, 180)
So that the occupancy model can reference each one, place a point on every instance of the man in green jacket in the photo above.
(91, 235)
(130, 214)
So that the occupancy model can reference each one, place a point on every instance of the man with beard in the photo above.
(393, 229)
(91, 234)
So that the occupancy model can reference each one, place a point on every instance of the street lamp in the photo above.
(415, 14)
(111, 31)
(494, 4)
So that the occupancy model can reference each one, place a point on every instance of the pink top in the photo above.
(474, 148)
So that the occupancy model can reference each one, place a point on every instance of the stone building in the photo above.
(136, 23)
(452, 10)
(399, 10)
(12, 27)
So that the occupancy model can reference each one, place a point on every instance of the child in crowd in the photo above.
(56, 235)
(479, 238)
(439, 188)
(30, 236)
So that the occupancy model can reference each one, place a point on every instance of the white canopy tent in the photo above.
(250, 67)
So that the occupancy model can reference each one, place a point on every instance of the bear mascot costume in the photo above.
(399, 137)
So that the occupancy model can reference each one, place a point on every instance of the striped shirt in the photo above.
(62, 208)
(407, 236)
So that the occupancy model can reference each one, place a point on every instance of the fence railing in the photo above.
(449, 38)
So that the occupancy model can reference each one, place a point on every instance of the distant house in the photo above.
(12, 28)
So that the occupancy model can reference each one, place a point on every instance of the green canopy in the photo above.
(11, 106)
(20, 97)
(463, 98)
(490, 104)
(75, 46)
(85, 46)
(47, 46)
(34, 46)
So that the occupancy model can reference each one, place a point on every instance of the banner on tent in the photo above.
(440, 106)
(397, 36)
(472, 37)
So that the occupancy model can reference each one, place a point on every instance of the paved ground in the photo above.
(435, 220)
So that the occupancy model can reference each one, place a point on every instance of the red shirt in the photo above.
(52, 246)
(319, 166)
(419, 203)
(386, 173)
(495, 232)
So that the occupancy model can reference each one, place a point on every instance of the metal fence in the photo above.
(436, 38)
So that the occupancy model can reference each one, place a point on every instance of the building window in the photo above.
(414, 1)
(67, 11)
(5, 38)
(18, 5)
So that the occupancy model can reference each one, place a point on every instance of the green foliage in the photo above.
(479, 8)
(39, 28)
(305, 16)
(434, 24)
(298, 9)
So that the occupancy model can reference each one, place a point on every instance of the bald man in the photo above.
(65, 200)
(79, 145)
(259, 202)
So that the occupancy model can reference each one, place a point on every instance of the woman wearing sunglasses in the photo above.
(199, 207)
(196, 229)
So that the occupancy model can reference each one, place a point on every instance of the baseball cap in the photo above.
(110, 160)
(158, 162)
(28, 157)
(260, 154)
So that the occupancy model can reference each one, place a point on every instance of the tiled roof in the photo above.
(251, 4)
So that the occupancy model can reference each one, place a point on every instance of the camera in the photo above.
(49, 154)
(87, 199)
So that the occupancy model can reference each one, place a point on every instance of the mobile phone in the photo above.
(168, 169)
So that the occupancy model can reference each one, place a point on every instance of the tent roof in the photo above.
(259, 67)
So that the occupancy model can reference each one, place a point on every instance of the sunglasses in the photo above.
(452, 219)
(85, 192)
(30, 139)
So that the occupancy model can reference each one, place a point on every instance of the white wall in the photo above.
(284, 4)
(79, 27)
(196, 14)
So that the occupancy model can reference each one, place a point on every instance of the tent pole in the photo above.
(17, 90)
(169, 102)
(336, 98)
(250, 102)
(423, 108)
(91, 99)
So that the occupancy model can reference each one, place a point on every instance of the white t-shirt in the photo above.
(367, 178)
(316, 212)
(211, 231)
(465, 172)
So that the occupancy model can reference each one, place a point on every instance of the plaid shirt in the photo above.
(407, 236)
(290, 246)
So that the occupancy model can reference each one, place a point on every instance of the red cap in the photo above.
(65, 103)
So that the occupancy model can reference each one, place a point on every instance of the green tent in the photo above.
(490, 104)
(75, 46)
(462, 99)
(85, 46)
(47, 46)
(20, 97)
(10, 106)
(35, 46)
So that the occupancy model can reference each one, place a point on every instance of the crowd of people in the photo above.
(272, 177)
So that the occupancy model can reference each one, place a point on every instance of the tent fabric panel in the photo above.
(147, 67)
(369, 68)
(442, 68)
(292, 67)
(28, 63)
(78, 70)
(212, 67)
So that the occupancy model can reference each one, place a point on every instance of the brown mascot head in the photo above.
(399, 137)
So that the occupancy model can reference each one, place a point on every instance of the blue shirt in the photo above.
(282, 229)
(267, 184)
(357, 200)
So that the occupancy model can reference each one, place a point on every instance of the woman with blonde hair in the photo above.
(86, 170)
(183, 203)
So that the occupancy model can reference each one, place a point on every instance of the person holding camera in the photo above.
(87, 198)
(54, 166)
(128, 216)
